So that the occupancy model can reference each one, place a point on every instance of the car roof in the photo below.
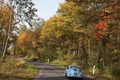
(74, 66)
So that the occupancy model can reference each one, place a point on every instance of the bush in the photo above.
(60, 63)
(17, 69)
(69, 58)
(7, 66)
(113, 73)
(20, 65)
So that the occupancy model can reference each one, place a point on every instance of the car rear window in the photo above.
(75, 69)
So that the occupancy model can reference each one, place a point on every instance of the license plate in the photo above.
(75, 74)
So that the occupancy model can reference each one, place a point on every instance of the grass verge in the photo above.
(17, 69)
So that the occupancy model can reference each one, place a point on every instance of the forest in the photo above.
(83, 32)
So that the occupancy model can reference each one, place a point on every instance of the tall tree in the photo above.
(7, 18)
(22, 11)
(107, 29)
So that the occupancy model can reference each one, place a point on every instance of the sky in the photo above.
(47, 8)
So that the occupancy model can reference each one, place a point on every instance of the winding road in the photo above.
(50, 72)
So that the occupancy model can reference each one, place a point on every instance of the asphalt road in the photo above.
(50, 72)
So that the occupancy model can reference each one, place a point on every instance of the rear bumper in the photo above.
(69, 77)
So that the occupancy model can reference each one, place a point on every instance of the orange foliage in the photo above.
(109, 12)
(100, 27)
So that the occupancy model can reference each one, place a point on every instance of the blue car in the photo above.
(73, 72)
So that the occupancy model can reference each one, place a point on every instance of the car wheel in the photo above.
(66, 76)
(34, 59)
(81, 78)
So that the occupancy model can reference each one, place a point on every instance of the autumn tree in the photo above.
(21, 11)
(29, 42)
(83, 15)
(6, 21)
(67, 30)
(108, 20)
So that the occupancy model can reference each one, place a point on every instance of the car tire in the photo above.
(34, 59)
(81, 78)
(66, 76)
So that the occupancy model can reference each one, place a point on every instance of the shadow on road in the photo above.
(61, 78)
(51, 78)
(88, 79)
(82, 79)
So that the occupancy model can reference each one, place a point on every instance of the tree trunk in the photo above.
(6, 44)
(5, 48)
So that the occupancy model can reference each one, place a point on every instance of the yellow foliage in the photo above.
(68, 7)
(20, 64)
(6, 16)
(49, 28)
(22, 39)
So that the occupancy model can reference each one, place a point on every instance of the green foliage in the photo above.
(22, 28)
(60, 54)
(113, 73)
(60, 63)
(49, 54)
(24, 10)
(69, 58)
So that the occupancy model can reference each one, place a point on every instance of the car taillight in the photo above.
(81, 75)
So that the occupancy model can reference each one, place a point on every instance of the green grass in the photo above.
(17, 69)
(60, 63)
